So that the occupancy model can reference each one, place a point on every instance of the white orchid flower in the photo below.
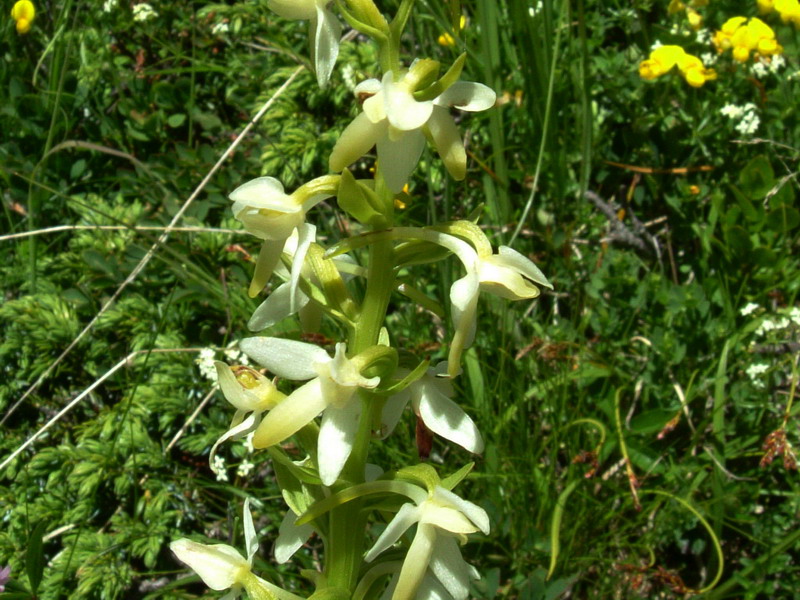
(507, 274)
(269, 213)
(431, 400)
(223, 567)
(331, 390)
(397, 123)
(325, 30)
(250, 392)
(441, 518)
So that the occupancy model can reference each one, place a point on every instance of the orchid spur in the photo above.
(332, 383)
(325, 30)
(395, 121)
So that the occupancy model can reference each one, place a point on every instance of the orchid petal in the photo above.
(398, 158)
(374, 106)
(287, 358)
(450, 568)
(402, 110)
(250, 537)
(356, 140)
(523, 265)
(288, 417)
(368, 87)
(474, 512)
(447, 141)
(239, 427)
(296, 10)
(467, 95)
(325, 44)
(337, 433)
(307, 234)
(446, 518)
(464, 298)
(263, 192)
(392, 411)
(445, 418)
(218, 565)
(290, 537)
(416, 563)
(405, 518)
(276, 307)
(267, 259)
(430, 588)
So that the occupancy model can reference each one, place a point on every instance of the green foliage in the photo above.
(112, 122)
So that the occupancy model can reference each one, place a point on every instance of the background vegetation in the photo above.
(666, 356)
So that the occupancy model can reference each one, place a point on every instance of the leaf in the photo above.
(757, 178)
(176, 120)
(34, 556)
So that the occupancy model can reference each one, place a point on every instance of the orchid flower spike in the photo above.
(325, 30)
(397, 123)
(222, 567)
(331, 390)
(250, 392)
(431, 400)
(442, 518)
(267, 212)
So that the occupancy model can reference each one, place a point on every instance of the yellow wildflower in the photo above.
(448, 40)
(695, 18)
(789, 10)
(675, 6)
(695, 72)
(664, 58)
(661, 60)
(23, 13)
(722, 38)
(756, 36)
(765, 6)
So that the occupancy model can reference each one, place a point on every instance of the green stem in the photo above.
(345, 543)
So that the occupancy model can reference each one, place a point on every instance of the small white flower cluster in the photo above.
(534, 10)
(234, 355)
(755, 371)
(205, 362)
(220, 28)
(709, 58)
(244, 468)
(748, 119)
(749, 309)
(768, 65)
(772, 325)
(109, 5)
(218, 467)
(143, 12)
